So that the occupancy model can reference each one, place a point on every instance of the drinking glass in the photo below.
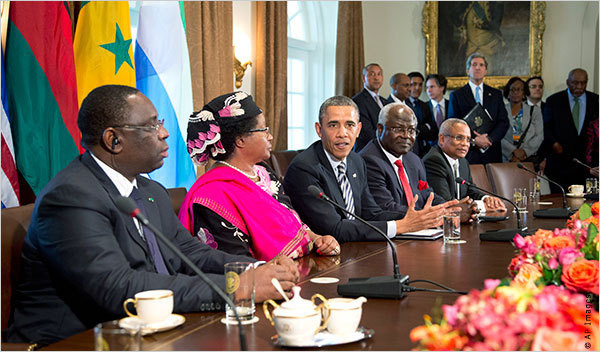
(239, 286)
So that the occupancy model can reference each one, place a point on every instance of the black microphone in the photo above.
(498, 235)
(551, 213)
(128, 206)
(371, 287)
(582, 164)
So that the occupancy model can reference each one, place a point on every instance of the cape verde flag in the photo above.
(162, 71)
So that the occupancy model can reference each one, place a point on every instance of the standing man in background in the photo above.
(427, 129)
(436, 88)
(369, 103)
(488, 147)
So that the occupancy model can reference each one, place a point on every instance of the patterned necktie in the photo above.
(455, 168)
(404, 181)
(477, 94)
(378, 101)
(346, 189)
(159, 263)
(575, 113)
(439, 117)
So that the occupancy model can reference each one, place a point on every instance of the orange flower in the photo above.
(541, 236)
(559, 242)
(438, 337)
(595, 209)
(582, 275)
(527, 275)
(547, 339)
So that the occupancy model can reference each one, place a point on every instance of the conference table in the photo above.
(462, 267)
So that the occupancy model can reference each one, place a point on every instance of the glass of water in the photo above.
(239, 286)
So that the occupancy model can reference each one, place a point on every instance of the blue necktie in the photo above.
(159, 263)
(477, 95)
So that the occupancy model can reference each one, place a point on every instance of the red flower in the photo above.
(423, 185)
(582, 275)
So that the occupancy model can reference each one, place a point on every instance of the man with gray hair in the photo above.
(446, 161)
(340, 173)
(462, 100)
(394, 173)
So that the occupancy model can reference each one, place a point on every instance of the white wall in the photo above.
(394, 38)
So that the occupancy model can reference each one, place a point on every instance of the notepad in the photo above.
(428, 234)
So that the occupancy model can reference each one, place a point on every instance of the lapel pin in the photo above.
(151, 199)
(354, 175)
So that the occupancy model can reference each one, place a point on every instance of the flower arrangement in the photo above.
(541, 306)
(510, 316)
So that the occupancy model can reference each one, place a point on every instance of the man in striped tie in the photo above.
(331, 165)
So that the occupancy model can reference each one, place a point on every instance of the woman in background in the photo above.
(238, 206)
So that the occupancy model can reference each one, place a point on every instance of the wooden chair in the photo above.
(480, 177)
(505, 177)
(281, 159)
(14, 228)
(177, 195)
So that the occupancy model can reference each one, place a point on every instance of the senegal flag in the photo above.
(103, 50)
(41, 89)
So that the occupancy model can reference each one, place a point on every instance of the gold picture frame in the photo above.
(536, 31)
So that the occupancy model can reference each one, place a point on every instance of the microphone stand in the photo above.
(551, 213)
(371, 287)
(504, 234)
(128, 206)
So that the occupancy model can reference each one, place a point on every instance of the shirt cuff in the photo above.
(481, 205)
(258, 263)
(391, 229)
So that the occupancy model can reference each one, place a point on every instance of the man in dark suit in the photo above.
(400, 85)
(82, 258)
(488, 145)
(446, 161)
(331, 165)
(426, 124)
(369, 103)
(566, 115)
(436, 88)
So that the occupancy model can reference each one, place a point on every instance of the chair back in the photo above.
(480, 177)
(15, 222)
(505, 177)
(281, 159)
(177, 195)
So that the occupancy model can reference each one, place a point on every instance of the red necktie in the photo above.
(404, 181)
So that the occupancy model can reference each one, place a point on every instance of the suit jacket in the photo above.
(383, 180)
(311, 167)
(369, 115)
(430, 106)
(428, 130)
(559, 127)
(82, 258)
(441, 177)
(462, 101)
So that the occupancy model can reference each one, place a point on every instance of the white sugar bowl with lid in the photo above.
(297, 320)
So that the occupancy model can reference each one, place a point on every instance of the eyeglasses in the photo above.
(459, 138)
(402, 130)
(266, 129)
(148, 128)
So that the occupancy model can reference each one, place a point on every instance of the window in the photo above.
(311, 66)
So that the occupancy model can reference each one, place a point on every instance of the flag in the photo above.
(102, 45)
(162, 70)
(41, 90)
(9, 181)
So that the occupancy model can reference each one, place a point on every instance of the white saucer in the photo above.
(324, 280)
(235, 322)
(174, 320)
(573, 195)
(325, 338)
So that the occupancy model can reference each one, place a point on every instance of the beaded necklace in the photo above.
(235, 168)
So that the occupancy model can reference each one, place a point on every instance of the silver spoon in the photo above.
(279, 289)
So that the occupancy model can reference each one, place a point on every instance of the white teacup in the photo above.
(344, 315)
(576, 189)
(152, 306)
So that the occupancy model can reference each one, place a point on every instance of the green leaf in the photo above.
(591, 234)
(585, 211)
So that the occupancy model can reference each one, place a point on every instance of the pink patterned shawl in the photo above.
(272, 228)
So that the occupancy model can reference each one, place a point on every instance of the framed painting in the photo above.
(508, 33)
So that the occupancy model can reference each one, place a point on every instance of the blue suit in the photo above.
(383, 179)
(462, 101)
(369, 115)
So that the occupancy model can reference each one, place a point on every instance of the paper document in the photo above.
(424, 233)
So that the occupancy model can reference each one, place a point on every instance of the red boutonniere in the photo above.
(423, 185)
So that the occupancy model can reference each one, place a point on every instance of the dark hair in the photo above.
(367, 67)
(529, 80)
(103, 107)
(395, 79)
(510, 82)
(337, 100)
(415, 74)
(232, 129)
(440, 79)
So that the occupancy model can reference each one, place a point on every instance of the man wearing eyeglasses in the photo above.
(446, 161)
(82, 257)
(394, 173)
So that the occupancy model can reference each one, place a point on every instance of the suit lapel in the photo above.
(449, 171)
(352, 174)
(469, 96)
(329, 175)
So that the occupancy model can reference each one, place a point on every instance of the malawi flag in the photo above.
(41, 89)
(103, 50)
